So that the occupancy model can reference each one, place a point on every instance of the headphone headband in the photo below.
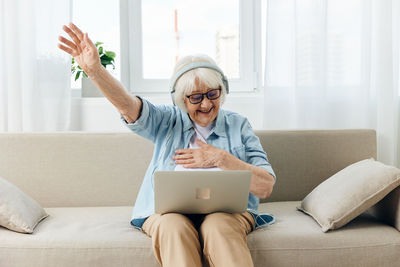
(196, 65)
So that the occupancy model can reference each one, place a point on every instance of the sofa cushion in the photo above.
(296, 239)
(350, 192)
(80, 236)
(103, 236)
(18, 212)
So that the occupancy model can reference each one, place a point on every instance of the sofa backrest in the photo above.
(302, 159)
(76, 169)
(106, 169)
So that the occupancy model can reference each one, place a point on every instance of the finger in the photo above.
(183, 156)
(77, 31)
(185, 161)
(67, 42)
(184, 151)
(73, 36)
(66, 49)
(191, 166)
(88, 41)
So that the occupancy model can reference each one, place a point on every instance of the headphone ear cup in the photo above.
(173, 97)
(225, 82)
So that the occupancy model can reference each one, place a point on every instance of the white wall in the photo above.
(99, 115)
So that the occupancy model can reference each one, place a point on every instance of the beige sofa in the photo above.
(88, 182)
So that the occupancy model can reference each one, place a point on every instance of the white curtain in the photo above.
(34, 73)
(334, 64)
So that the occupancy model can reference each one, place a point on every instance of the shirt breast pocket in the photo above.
(239, 152)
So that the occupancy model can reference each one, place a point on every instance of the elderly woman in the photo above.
(196, 133)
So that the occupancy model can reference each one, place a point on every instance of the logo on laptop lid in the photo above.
(203, 193)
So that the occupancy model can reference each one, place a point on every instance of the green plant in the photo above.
(106, 58)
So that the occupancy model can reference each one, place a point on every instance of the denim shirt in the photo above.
(170, 128)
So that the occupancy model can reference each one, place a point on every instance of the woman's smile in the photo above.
(206, 112)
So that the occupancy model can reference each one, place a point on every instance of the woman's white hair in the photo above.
(187, 82)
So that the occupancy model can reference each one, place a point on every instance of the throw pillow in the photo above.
(350, 192)
(18, 212)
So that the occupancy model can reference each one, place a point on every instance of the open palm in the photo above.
(81, 48)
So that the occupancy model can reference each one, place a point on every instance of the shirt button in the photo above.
(171, 163)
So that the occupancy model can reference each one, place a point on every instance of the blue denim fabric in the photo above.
(170, 129)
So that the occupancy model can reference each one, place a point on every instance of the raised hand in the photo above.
(81, 48)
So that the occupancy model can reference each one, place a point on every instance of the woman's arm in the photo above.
(262, 182)
(85, 53)
(129, 106)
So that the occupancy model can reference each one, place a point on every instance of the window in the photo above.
(318, 44)
(162, 31)
(99, 18)
(148, 36)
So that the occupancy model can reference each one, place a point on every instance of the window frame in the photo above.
(250, 61)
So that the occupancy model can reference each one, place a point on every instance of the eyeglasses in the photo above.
(211, 95)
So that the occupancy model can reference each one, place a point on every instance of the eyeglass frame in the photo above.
(205, 94)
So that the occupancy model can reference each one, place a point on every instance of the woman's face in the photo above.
(207, 110)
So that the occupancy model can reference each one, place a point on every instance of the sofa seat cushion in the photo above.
(81, 236)
(296, 239)
(102, 236)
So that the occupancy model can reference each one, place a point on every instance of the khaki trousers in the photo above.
(181, 240)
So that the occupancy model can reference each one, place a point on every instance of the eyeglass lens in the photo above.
(212, 95)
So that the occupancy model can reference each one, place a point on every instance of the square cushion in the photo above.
(350, 192)
(18, 212)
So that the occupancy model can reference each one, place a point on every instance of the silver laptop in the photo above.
(201, 192)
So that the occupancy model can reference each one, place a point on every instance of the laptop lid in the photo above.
(201, 192)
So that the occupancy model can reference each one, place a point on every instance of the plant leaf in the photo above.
(106, 62)
(110, 54)
(77, 75)
(105, 58)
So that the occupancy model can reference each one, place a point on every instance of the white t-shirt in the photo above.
(201, 133)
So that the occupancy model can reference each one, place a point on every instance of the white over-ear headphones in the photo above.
(196, 65)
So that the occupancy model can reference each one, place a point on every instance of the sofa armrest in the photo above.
(388, 209)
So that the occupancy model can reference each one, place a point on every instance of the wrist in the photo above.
(94, 71)
(221, 160)
(226, 161)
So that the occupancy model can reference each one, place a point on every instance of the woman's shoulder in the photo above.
(161, 108)
(232, 116)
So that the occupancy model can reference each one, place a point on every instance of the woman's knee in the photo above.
(219, 222)
(223, 223)
(175, 223)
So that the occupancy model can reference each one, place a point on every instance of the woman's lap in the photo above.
(220, 219)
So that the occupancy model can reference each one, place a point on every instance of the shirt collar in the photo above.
(187, 122)
(219, 125)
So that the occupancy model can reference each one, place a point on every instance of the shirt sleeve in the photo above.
(255, 154)
(153, 120)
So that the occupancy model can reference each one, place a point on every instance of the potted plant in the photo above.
(88, 88)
